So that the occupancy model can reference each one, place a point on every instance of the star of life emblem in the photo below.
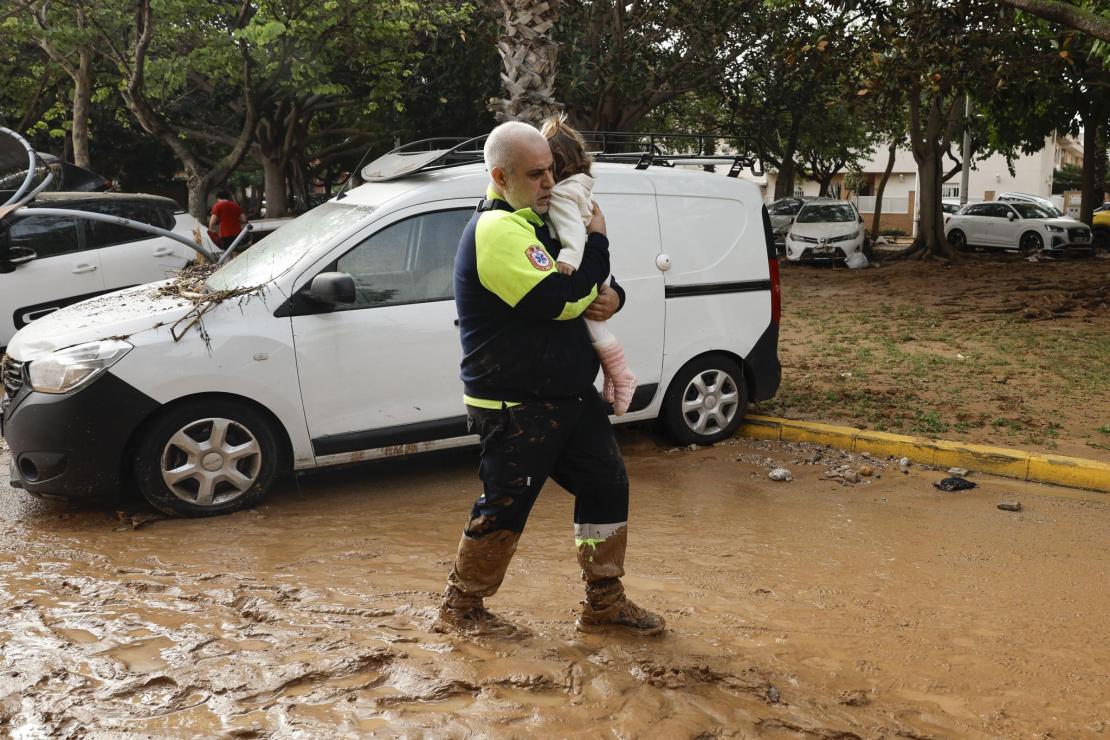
(539, 259)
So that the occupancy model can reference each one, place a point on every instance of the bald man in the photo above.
(528, 370)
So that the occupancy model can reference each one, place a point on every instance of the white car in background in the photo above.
(825, 230)
(1017, 226)
(49, 262)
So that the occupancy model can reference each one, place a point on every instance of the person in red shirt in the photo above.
(227, 219)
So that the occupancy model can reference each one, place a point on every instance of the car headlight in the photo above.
(70, 368)
(1057, 229)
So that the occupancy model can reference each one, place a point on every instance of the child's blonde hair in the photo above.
(567, 147)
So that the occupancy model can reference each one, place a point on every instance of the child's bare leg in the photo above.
(619, 383)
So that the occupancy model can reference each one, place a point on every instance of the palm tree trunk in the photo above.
(528, 56)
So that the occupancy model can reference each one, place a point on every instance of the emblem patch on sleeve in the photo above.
(539, 259)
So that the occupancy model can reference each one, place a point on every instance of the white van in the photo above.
(47, 262)
(200, 401)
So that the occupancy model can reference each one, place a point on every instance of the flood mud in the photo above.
(811, 608)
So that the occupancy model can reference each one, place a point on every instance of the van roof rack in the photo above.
(640, 149)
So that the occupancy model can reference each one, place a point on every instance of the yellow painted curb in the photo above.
(1075, 472)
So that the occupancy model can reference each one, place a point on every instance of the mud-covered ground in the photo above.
(816, 607)
(993, 349)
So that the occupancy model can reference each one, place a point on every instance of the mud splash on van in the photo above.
(809, 608)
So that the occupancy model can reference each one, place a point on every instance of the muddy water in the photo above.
(810, 608)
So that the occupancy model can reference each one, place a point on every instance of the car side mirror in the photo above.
(333, 288)
(1012, 216)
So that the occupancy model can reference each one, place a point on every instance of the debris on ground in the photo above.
(904, 465)
(135, 521)
(955, 484)
(843, 473)
(1010, 506)
(959, 472)
(847, 468)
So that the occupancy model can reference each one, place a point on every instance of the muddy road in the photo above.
(809, 608)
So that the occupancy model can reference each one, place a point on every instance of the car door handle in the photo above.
(163, 252)
(83, 268)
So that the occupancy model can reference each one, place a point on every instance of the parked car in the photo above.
(1100, 228)
(825, 230)
(950, 207)
(1044, 203)
(783, 212)
(48, 262)
(1018, 226)
(341, 343)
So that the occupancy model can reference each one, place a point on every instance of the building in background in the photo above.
(989, 177)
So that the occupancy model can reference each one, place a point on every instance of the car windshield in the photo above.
(1029, 210)
(825, 213)
(949, 207)
(279, 251)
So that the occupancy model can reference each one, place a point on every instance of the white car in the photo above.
(335, 339)
(1024, 227)
(47, 262)
(825, 230)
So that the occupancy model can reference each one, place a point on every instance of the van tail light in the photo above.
(776, 291)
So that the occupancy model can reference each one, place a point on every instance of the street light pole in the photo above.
(965, 170)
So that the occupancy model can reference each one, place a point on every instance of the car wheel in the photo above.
(706, 401)
(1030, 242)
(957, 240)
(206, 458)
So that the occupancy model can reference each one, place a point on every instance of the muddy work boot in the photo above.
(601, 555)
(462, 614)
(480, 566)
(620, 615)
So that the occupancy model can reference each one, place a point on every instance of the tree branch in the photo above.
(1065, 14)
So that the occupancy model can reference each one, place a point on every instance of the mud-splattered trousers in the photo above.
(571, 441)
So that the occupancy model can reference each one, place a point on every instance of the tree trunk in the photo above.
(529, 56)
(77, 144)
(930, 229)
(826, 183)
(877, 217)
(198, 179)
(273, 169)
(1094, 148)
(82, 96)
(784, 183)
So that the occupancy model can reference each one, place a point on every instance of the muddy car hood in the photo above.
(118, 314)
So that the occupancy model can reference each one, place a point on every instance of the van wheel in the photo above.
(706, 401)
(206, 458)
